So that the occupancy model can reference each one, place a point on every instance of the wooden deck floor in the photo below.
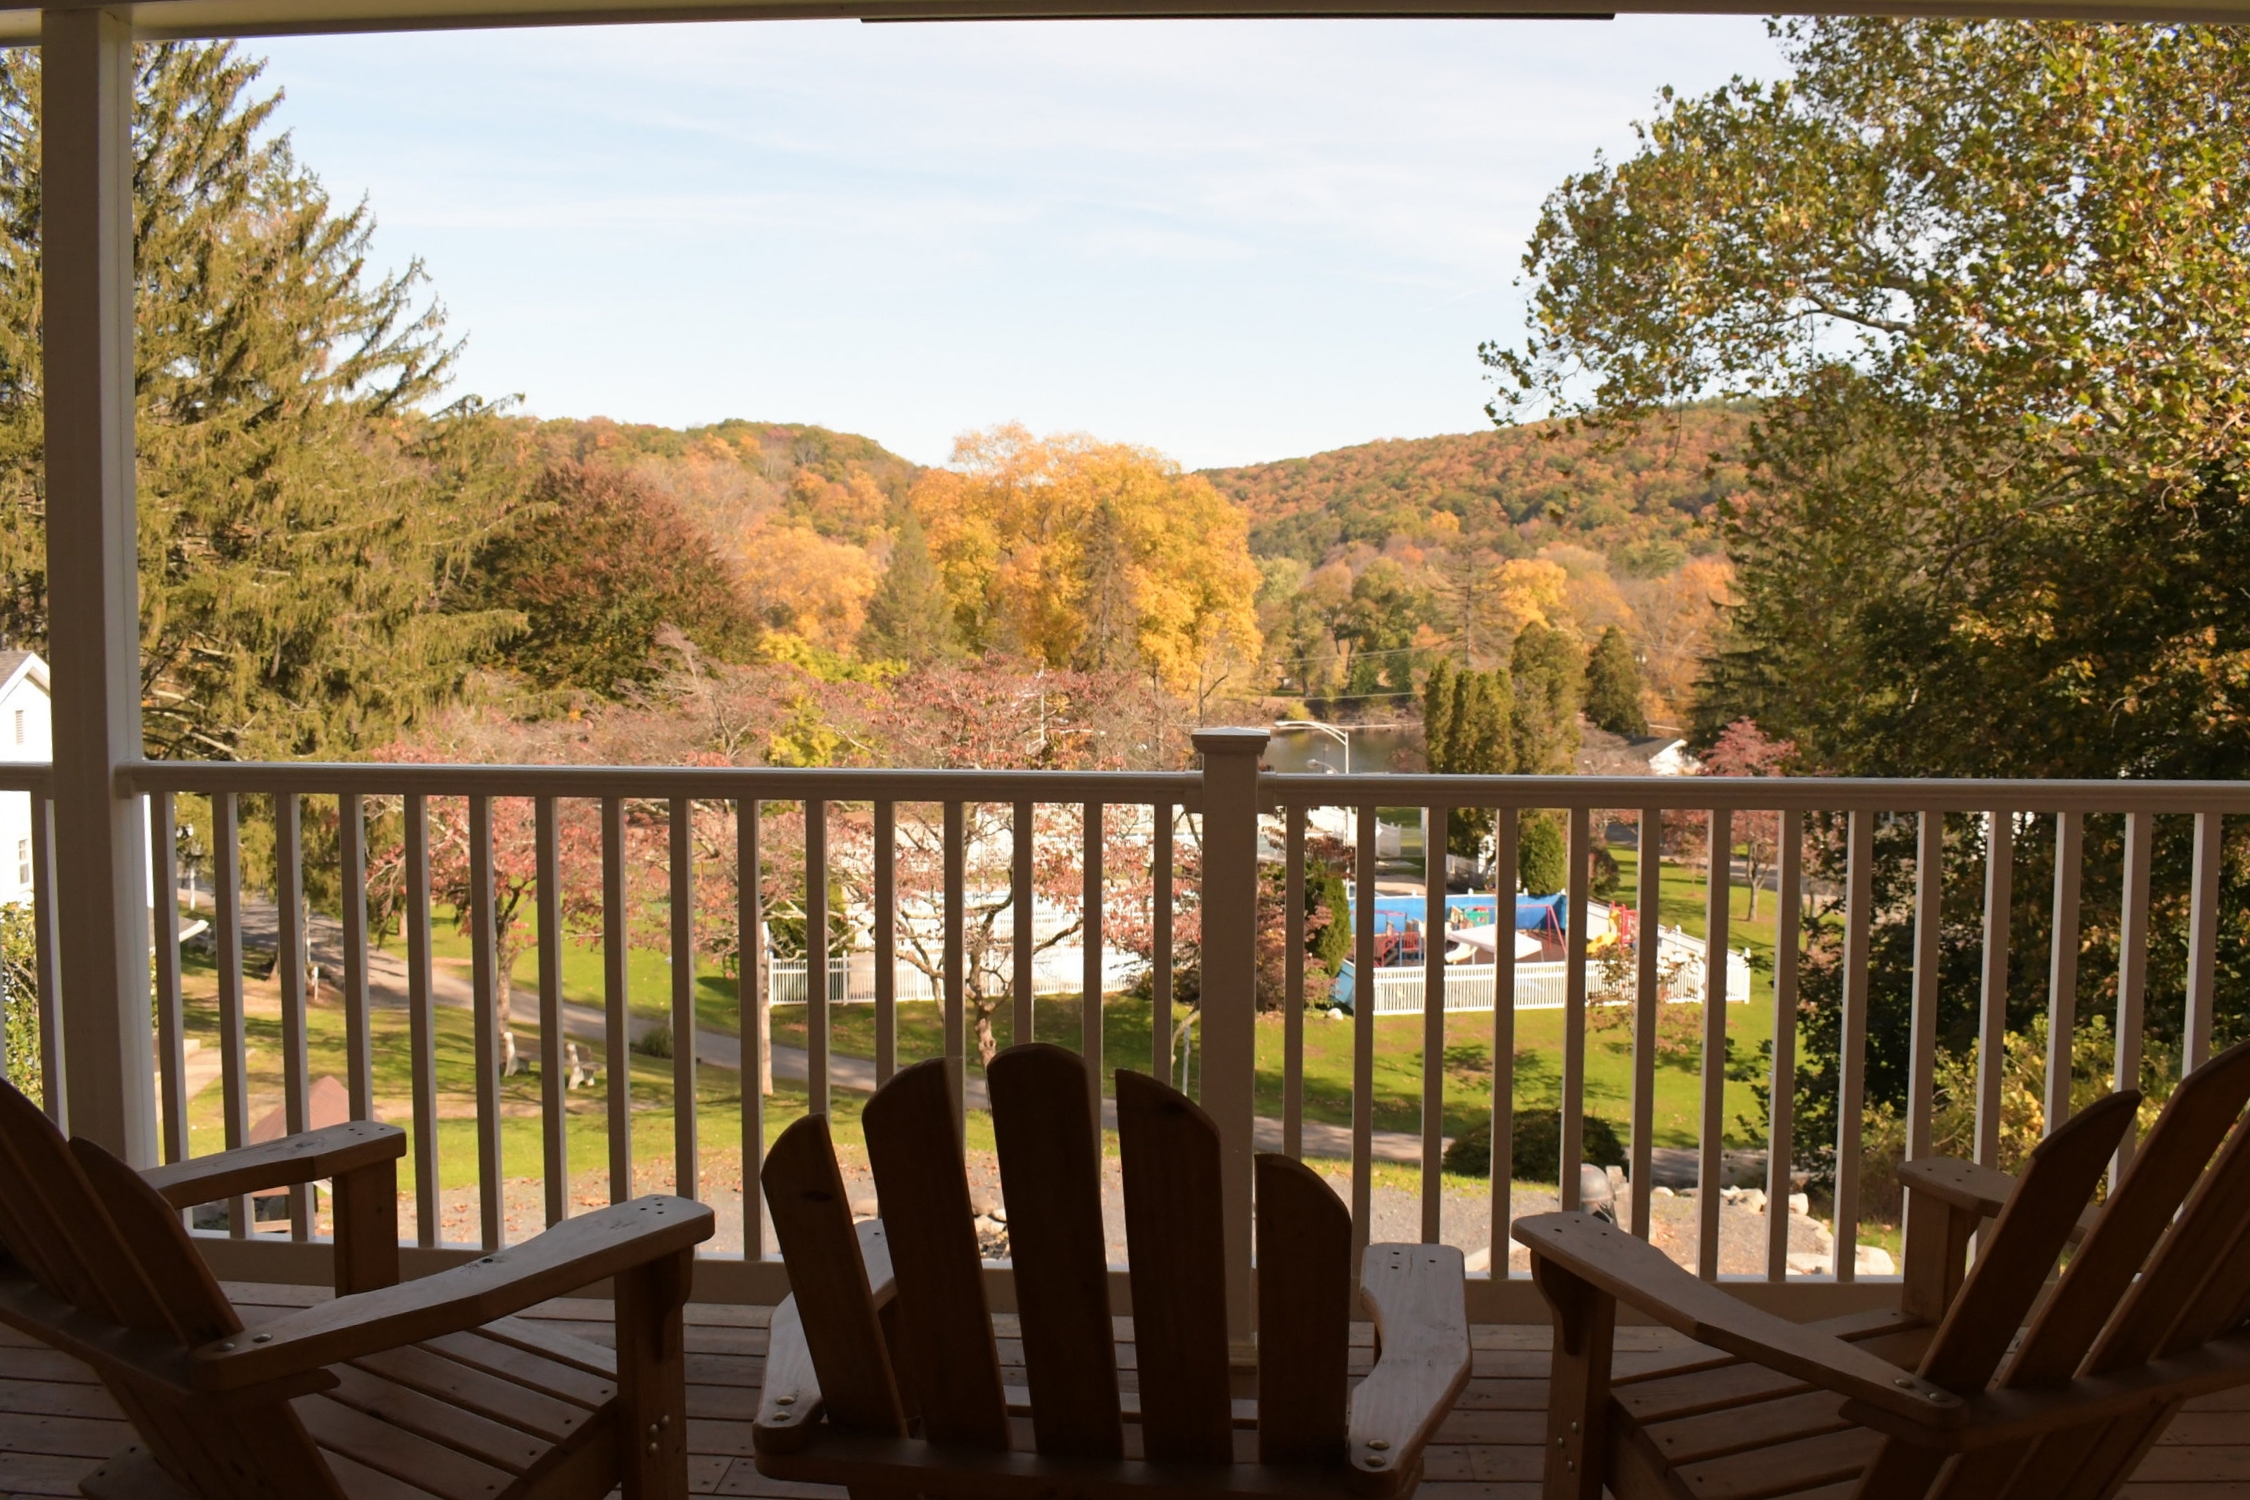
(56, 1423)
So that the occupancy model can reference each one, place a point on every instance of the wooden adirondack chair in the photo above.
(386, 1393)
(1940, 1399)
(882, 1372)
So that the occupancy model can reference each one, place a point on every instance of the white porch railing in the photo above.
(1213, 815)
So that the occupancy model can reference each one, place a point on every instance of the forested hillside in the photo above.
(1641, 495)
(1382, 558)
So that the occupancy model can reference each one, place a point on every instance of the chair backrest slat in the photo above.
(2194, 1124)
(129, 1262)
(2021, 1250)
(1176, 1253)
(1050, 1164)
(812, 1221)
(922, 1182)
(1304, 1315)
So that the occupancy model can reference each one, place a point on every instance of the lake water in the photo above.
(1375, 747)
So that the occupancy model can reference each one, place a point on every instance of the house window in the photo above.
(19, 726)
(23, 852)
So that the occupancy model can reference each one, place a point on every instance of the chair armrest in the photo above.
(1980, 1190)
(789, 1368)
(1417, 1295)
(333, 1152)
(112, 1350)
(2007, 1416)
(563, 1260)
(1642, 1276)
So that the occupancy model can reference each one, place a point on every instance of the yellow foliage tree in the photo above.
(1091, 555)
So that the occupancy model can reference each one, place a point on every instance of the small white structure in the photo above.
(26, 734)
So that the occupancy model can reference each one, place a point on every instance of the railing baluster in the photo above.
(751, 1023)
(53, 1095)
(1023, 917)
(816, 956)
(1648, 948)
(617, 1016)
(171, 1046)
(886, 941)
(553, 1071)
(359, 1051)
(1504, 835)
(1580, 845)
(956, 959)
(421, 1021)
(1992, 993)
(1293, 986)
(2062, 964)
(2132, 970)
(234, 1055)
(1363, 1028)
(1090, 1003)
(1433, 1023)
(1781, 1082)
(1711, 1142)
(1160, 975)
(489, 990)
(289, 967)
(1851, 1080)
(686, 1173)
(2203, 943)
(1929, 917)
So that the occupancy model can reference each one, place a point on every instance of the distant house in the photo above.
(26, 734)
(1601, 753)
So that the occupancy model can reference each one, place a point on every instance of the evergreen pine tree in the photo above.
(1548, 676)
(1542, 855)
(1613, 686)
(304, 522)
(1437, 716)
(909, 618)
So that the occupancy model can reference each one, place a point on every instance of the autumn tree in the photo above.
(1743, 749)
(306, 501)
(1988, 284)
(598, 565)
(1613, 686)
(1091, 556)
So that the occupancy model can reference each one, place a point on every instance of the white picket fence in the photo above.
(1539, 986)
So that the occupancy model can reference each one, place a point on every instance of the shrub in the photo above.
(1535, 1151)
(654, 1042)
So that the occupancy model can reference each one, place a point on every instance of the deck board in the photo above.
(56, 1421)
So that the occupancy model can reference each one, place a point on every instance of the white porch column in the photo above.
(93, 597)
(1230, 989)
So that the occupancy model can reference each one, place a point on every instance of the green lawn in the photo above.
(1126, 1042)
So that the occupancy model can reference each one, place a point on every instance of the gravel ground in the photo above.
(1465, 1218)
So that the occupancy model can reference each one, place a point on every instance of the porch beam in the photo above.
(156, 20)
(93, 595)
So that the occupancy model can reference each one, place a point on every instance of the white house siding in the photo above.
(26, 734)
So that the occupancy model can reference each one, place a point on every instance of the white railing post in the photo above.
(1230, 987)
(101, 845)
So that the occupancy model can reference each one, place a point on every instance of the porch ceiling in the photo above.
(157, 19)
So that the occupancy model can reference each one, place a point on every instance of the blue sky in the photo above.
(1229, 241)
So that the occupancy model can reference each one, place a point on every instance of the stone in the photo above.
(1873, 1260)
(1799, 1203)
(864, 1207)
(1660, 1192)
